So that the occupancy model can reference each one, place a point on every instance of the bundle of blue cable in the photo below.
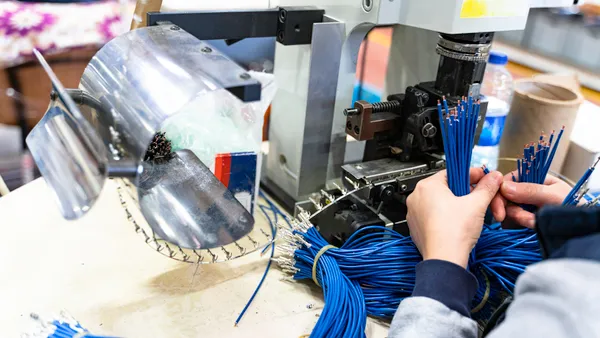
(375, 268)
(458, 128)
(373, 271)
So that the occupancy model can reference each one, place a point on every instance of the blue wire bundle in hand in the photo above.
(458, 127)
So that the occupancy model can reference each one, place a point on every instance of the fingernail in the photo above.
(510, 187)
(531, 223)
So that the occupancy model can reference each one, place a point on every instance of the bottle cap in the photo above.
(498, 58)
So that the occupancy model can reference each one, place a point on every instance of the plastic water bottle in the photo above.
(497, 87)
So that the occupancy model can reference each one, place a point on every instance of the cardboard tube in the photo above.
(538, 106)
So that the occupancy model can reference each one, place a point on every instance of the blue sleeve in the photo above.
(569, 232)
(446, 282)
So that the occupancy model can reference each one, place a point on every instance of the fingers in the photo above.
(498, 207)
(548, 181)
(509, 176)
(520, 216)
(486, 189)
(440, 176)
(475, 175)
(551, 180)
(529, 193)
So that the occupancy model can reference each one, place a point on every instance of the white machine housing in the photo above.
(307, 128)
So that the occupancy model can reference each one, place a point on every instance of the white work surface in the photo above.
(99, 270)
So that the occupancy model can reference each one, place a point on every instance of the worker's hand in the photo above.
(447, 227)
(553, 191)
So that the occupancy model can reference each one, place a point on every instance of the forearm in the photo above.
(559, 297)
(555, 298)
(439, 306)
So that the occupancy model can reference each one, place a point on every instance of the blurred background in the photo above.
(69, 32)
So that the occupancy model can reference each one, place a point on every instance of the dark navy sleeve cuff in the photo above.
(448, 283)
(569, 232)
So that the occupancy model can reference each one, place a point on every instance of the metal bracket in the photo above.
(290, 25)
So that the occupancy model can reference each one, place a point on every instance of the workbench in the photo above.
(101, 272)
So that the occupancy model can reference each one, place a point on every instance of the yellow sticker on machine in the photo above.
(493, 8)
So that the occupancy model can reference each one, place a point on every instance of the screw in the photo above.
(280, 36)
(206, 50)
(245, 76)
(387, 192)
(356, 130)
(403, 187)
(351, 111)
(175, 28)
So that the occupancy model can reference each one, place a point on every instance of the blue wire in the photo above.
(275, 212)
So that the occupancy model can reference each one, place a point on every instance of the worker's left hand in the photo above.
(447, 227)
(552, 192)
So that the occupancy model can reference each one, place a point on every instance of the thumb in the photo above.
(486, 189)
(529, 193)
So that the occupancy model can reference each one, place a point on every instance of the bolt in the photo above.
(206, 50)
(175, 28)
(403, 187)
(429, 130)
(387, 192)
(356, 130)
(351, 111)
(245, 76)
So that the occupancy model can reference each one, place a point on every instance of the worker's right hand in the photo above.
(444, 226)
(552, 192)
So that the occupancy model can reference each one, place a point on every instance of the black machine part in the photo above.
(381, 188)
(462, 63)
(290, 25)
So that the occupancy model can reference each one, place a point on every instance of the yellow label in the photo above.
(493, 8)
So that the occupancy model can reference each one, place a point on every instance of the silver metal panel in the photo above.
(343, 99)
(302, 112)
(184, 192)
(386, 168)
(147, 75)
(136, 82)
(68, 153)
